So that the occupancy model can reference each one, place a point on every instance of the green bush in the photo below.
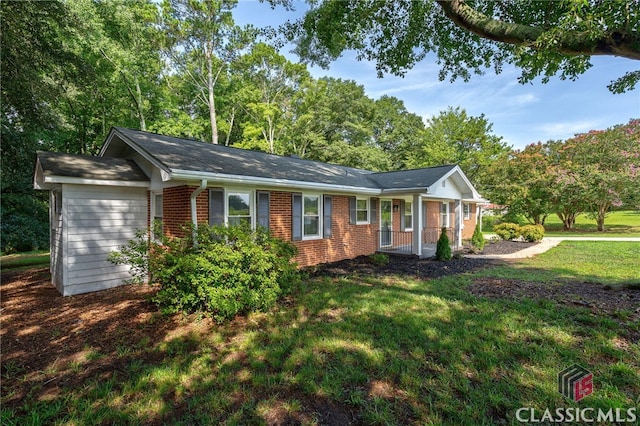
(507, 231)
(488, 222)
(443, 249)
(21, 233)
(379, 259)
(223, 271)
(477, 240)
(532, 233)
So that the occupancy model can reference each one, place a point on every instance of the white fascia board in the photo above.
(464, 178)
(223, 178)
(135, 147)
(83, 181)
(405, 191)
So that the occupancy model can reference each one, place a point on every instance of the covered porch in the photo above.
(402, 243)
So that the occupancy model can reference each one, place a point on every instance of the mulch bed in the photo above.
(505, 247)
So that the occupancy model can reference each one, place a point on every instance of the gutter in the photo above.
(194, 195)
(224, 178)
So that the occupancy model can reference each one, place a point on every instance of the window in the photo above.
(311, 216)
(466, 209)
(239, 208)
(408, 215)
(444, 215)
(362, 210)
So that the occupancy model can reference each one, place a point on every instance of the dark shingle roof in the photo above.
(177, 154)
(417, 178)
(189, 155)
(87, 167)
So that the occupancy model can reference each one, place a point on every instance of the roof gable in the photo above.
(176, 155)
(186, 159)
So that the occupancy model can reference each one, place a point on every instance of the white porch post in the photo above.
(417, 225)
(458, 231)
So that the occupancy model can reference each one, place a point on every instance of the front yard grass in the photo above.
(617, 224)
(358, 348)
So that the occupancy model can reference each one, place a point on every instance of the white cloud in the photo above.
(565, 130)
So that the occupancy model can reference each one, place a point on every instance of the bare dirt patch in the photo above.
(50, 342)
(621, 303)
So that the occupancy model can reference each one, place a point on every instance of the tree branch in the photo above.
(616, 42)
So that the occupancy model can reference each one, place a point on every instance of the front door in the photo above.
(386, 225)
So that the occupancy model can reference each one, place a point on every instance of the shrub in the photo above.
(379, 259)
(477, 240)
(443, 249)
(488, 222)
(507, 231)
(223, 271)
(532, 233)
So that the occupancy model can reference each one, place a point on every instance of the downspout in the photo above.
(194, 213)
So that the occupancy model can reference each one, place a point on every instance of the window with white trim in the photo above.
(362, 210)
(239, 208)
(311, 216)
(444, 215)
(408, 215)
(466, 209)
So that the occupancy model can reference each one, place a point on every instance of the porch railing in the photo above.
(395, 242)
(431, 235)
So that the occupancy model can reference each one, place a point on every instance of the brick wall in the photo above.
(469, 224)
(347, 241)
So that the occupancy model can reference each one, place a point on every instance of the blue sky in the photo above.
(521, 114)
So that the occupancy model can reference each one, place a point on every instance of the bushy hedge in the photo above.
(512, 231)
(507, 231)
(532, 233)
(222, 271)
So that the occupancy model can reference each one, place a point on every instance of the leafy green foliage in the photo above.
(443, 249)
(532, 233)
(379, 259)
(477, 239)
(471, 36)
(223, 271)
(507, 231)
(454, 137)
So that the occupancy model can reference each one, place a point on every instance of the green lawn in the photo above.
(23, 260)
(617, 224)
(375, 350)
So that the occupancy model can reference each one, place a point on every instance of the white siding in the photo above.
(448, 191)
(99, 220)
(57, 240)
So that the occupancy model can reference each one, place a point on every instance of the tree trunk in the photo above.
(139, 104)
(212, 100)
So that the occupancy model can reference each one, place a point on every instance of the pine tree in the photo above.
(443, 249)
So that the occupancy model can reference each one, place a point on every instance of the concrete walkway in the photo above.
(548, 243)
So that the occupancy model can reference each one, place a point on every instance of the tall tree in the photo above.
(607, 163)
(269, 82)
(132, 44)
(522, 183)
(542, 38)
(395, 129)
(454, 137)
(202, 42)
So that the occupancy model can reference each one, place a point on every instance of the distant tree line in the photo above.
(591, 173)
(72, 69)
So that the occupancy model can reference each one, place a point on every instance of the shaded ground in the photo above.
(54, 343)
